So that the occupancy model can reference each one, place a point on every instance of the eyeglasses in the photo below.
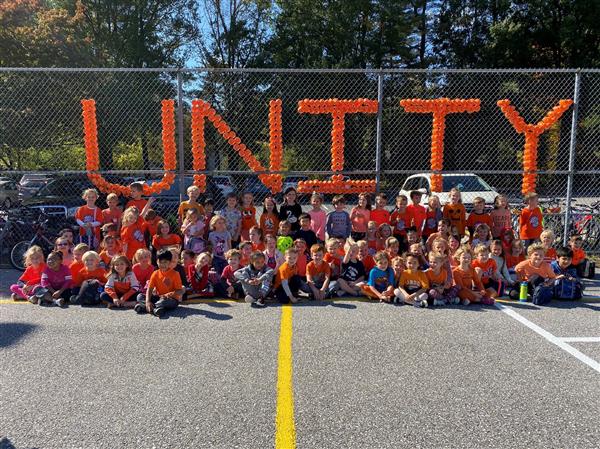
(62, 244)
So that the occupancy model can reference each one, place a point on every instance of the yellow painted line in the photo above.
(10, 301)
(285, 428)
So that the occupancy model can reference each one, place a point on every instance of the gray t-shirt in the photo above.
(220, 242)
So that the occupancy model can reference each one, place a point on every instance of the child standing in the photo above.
(372, 239)
(413, 285)
(269, 220)
(338, 221)
(290, 210)
(478, 216)
(137, 191)
(360, 215)
(306, 232)
(255, 279)
(233, 217)
(193, 231)
(56, 279)
(248, 215)
(500, 215)
(193, 193)
(467, 280)
(353, 272)
(530, 220)
(133, 231)
(30, 280)
(417, 214)
(400, 219)
(220, 238)
(121, 286)
(455, 211)
(318, 217)
(112, 214)
(273, 257)
(152, 219)
(433, 216)
(318, 275)
(164, 289)
(89, 218)
(380, 215)
(381, 279)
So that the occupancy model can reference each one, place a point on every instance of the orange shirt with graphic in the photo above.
(89, 215)
(318, 273)
(525, 270)
(475, 220)
(248, 219)
(530, 223)
(133, 236)
(139, 204)
(468, 279)
(164, 282)
(488, 268)
(112, 216)
(457, 214)
(436, 280)
(399, 221)
(284, 272)
(413, 280)
(269, 222)
(85, 274)
(159, 242)
(380, 216)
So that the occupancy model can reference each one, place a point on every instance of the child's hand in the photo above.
(56, 295)
(149, 306)
(27, 288)
(230, 290)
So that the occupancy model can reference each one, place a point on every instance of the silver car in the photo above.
(9, 193)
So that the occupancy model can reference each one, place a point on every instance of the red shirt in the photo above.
(369, 263)
(418, 215)
(380, 216)
(85, 274)
(133, 236)
(248, 218)
(399, 221)
(198, 279)
(142, 275)
(33, 275)
(578, 256)
(159, 242)
(530, 223)
(113, 216)
(139, 204)
(475, 220)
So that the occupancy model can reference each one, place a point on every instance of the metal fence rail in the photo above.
(41, 128)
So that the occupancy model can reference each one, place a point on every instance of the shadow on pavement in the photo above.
(12, 333)
(185, 312)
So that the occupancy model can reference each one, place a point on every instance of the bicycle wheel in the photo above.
(591, 234)
(17, 253)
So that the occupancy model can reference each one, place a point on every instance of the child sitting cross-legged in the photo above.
(56, 281)
(229, 286)
(318, 274)
(381, 279)
(287, 281)
(121, 286)
(197, 275)
(165, 289)
(468, 281)
(31, 279)
(89, 282)
(568, 286)
(487, 270)
(353, 272)
(413, 285)
(441, 291)
(255, 279)
(536, 273)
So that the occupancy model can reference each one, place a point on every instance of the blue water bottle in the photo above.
(523, 292)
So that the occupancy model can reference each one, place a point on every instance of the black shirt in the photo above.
(351, 271)
(291, 214)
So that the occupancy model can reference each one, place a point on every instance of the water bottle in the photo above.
(523, 292)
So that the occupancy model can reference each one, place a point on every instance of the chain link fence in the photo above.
(41, 134)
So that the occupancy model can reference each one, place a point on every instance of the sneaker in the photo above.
(465, 302)
(14, 297)
(250, 299)
(340, 293)
(73, 299)
(422, 303)
(159, 311)
(60, 302)
(33, 299)
(455, 301)
(260, 302)
(488, 301)
(438, 302)
(138, 308)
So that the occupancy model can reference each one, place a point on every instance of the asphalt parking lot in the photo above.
(365, 375)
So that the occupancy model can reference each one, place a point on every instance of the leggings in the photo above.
(18, 290)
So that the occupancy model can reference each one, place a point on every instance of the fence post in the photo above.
(180, 140)
(378, 141)
(572, 145)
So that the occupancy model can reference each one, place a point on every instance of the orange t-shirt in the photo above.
(488, 268)
(525, 270)
(513, 261)
(33, 275)
(284, 272)
(436, 279)
(89, 215)
(578, 256)
(369, 263)
(399, 221)
(413, 280)
(269, 222)
(112, 216)
(530, 223)
(475, 220)
(467, 279)
(301, 264)
(456, 213)
(84, 274)
(165, 282)
(248, 218)
(106, 258)
(550, 255)
(152, 225)
(318, 273)
(159, 242)
(330, 258)
(139, 204)
(75, 268)
(418, 215)
(380, 216)
(258, 246)
(133, 236)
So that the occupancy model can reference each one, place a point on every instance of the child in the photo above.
(364, 256)
(89, 218)
(380, 215)
(193, 193)
(487, 270)
(62, 244)
(193, 231)
(133, 231)
(453, 246)
(455, 211)
(579, 257)
(164, 237)
(333, 257)
(77, 263)
(122, 286)
(443, 232)
(248, 215)
(137, 191)
(56, 280)
(245, 249)
(111, 249)
(413, 285)
(152, 220)
(290, 210)
(274, 257)
(353, 272)
(497, 253)
(400, 219)
(233, 217)
(481, 235)
(209, 212)
(441, 291)
(31, 279)
(306, 232)
(478, 216)
(256, 238)
(467, 280)
(284, 236)
(433, 216)
(507, 236)
(383, 233)
(220, 238)
(381, 279)
(228, 286)
(338, 221)
(515, 255)
(164, 289)
(372, 239)
(417, 214)
(547, 239)
(287, 282)
(178, 268)
(318, 275)
(569, 285)
(318, 217)
(530, 220)
(112, 214)
(392, 247)
(197, 276)
(301, 247)
(535, 272)
(187, 258)
(360, 215)
(500, 215)
(255, 279)
(142, 268)
(398, 266)
(89, 282)
(269, 220)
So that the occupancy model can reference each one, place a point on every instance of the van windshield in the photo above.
(465, 183)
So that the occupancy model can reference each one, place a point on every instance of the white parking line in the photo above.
(580, 339)
(551, 338)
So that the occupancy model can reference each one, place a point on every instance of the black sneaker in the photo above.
(159, 311)
(138, 308)
(73, 299)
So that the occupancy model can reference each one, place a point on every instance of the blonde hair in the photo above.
(31, 253)
(130, 212)
(191, 189)
(81, 247)
(86, 192)
(481, 248)
(119, 258)
(214, 220)
(435, 256)
(536, 247)
(391, 241)
(529, 195)
(112, 196)
(205, 253)
(463, 249)
(547, 232)
(233, 253)
(362, 243)
(140, 253)
(90, 255)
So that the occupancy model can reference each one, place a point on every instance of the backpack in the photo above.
(567, 289)
(542, 294)
(587, 269)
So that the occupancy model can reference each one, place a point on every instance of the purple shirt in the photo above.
(56, 279)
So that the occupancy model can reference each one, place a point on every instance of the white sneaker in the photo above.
(423, 303)
(249, 298)
(465, 302)
(438, 302)
(455, 300)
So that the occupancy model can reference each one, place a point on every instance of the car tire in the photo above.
(16, 254)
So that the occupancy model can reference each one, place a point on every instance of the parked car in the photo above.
(292, 181)
(469, 184)
(30, 188)
(9, 193)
